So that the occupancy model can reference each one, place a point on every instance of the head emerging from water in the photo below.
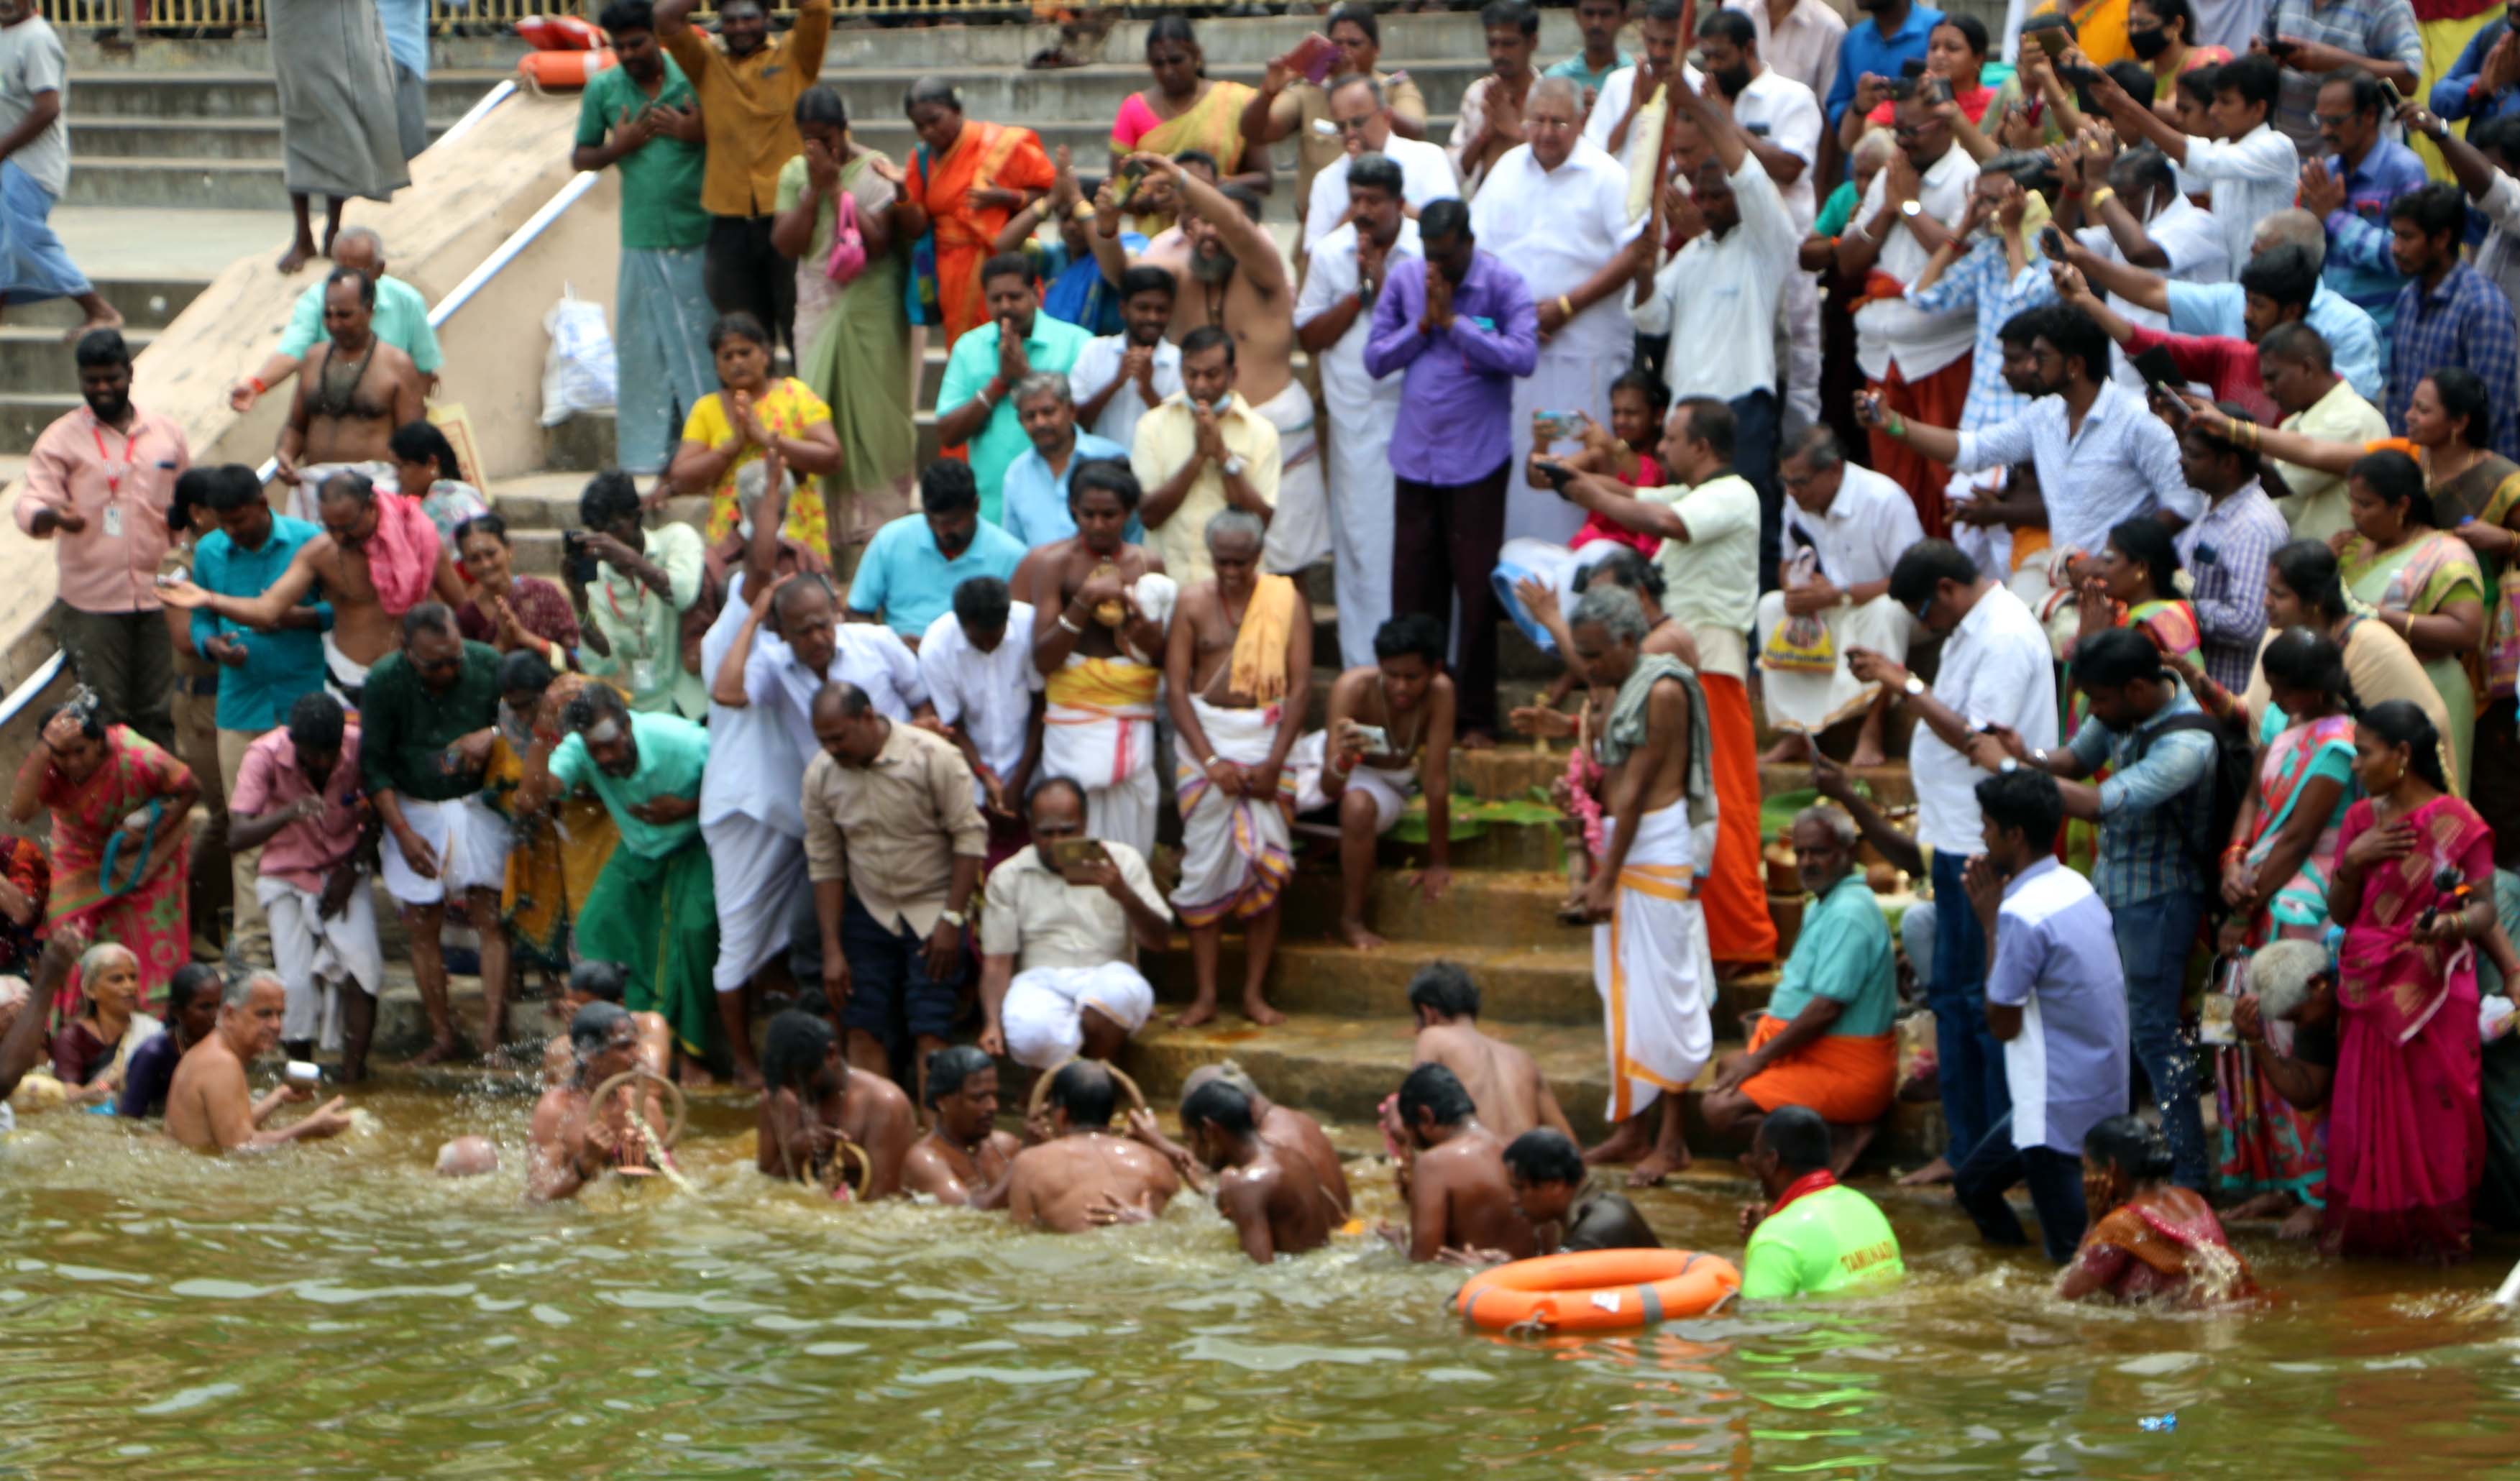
(2122, 1157)
(467, 1157)
(1546, 1171)
(1791, 1143)
(604, 1041)
(963, 1091)
(799, 1053)
(1082, 1097)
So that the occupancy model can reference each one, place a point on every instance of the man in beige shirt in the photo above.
(2317, 402)
(1202, 451)
(1060, 941)
(894, 843)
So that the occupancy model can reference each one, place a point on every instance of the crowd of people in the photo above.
(2142, 390)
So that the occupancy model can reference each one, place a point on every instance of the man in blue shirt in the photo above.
(2154, 811)
(2485, 81)
(973, 406)
(1033, 506)
(261, 674)
(2351, 193)
(1898, 33)
(2448, 313)
(907, 577)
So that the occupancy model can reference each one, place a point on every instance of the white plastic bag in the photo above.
(577, 370)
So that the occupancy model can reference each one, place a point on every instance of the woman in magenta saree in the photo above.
(2415, 888)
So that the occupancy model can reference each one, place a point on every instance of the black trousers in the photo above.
(1444, 544)
(743, 274)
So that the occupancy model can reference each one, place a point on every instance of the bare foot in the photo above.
(1867, 753)
(1656, 1165)
(1358, 938)
(300, 252)
(112, 318)
(1937, 1171)
(2303, 1225)
(2275, 1203)
(1477, 740)
(1626, 1144)
(1792, 746)
(695, 1077)
(1202, 1012)
(438, 1053)
(1256, 1008)
(747, 1077)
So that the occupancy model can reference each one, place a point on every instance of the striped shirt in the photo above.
(1982, 281)
(2154, 813)
(2226, 550)
(2464, 320)
(2056, 960)
(2385, 29)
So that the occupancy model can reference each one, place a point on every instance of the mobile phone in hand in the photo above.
(1314, 56)
(2052, 243)
(2158, 368)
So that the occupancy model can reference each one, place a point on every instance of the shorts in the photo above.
(890, 994)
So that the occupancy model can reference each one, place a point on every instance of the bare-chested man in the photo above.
(365, 564)
(1650, 962)
(1275, 1199)
(1390, 734)
(1504, 1081)
(570, 1147)
(1232, 277)
(593, 981)
(1101, 606)
(1461, 1203)
(209, 1106)
(963, 1159)
(814, 1101)
(1241, 648)
(1085, 1176)
(1282, 1127)
(353, 389)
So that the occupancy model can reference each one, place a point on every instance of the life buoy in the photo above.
(1599, 1291)
(560, 34)
(562, 72)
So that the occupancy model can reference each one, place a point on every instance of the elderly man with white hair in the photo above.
(400, 319)
(210, 1107)
(1059, 938)
(2287, 1026)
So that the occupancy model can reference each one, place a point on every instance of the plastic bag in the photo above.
(578, 368)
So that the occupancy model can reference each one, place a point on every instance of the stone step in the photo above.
(1225, 42)
(244, 90)
(179, 183)
(23, 415)
(1483, 908)
(34, 358)
(145, 303)
(1095, 91)
(120, 137)
(1891, 785)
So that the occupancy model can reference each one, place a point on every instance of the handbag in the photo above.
(848, 244)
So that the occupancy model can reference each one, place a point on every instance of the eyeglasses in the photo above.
(1352, 125)
(1919, 610)
(2331, 121)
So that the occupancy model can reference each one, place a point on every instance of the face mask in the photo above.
(2148, 45)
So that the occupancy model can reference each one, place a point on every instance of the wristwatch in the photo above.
(1233, 466)
(952, 917)
(2010, 766)
(1911, 209)
(1914, 686)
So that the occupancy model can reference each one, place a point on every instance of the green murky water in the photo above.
(338, 1311)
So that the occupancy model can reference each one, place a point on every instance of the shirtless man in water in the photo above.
(1287, 1130)
(209, 1106)
(963, 1159)
(1274, 1198)
(1461, 1200)
(569, 1147)
(353, 389)
(1085, 1176)
(813, 1101)
(604, 982)
(1504, 1081)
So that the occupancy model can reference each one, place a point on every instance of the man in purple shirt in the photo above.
(2056, 997)
(1463, 329)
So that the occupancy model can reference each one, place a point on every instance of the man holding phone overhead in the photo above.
(1060, 937)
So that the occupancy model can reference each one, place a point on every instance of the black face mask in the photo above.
(2148, 45)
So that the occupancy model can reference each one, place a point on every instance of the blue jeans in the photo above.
(1970, 1061)
(2055, 1180)
(2154, 937)
(1754, 457)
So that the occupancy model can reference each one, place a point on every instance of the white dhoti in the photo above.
(1554, 565)
(1390, 789)
(1653, 969)
(1098, 731)
(1807, 700)
(345, 678)
(1043, 1014)
(1234, 856)
(1800, 308)
(470, 841)
(1361, 498)
(1299, 530)
(1570, 377)
(761, 880)
(310, 483)
(316, 956)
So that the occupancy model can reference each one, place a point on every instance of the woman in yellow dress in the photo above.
(749, 414)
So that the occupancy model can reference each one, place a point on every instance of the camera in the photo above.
(576, 560)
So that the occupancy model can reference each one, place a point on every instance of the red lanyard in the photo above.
(113, 483)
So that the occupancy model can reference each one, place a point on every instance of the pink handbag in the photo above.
(848, 244)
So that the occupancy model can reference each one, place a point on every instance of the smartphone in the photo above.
(1378, 741)
(2053, 40)
(2081, 76)
(1314, 56)
(1935, 89)
(1558, 476)
(2397, 100)
(1066, 855)
(2051, 242)
(2158, 368)
(1559, 426)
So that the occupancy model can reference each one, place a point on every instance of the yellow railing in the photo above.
(169, 17)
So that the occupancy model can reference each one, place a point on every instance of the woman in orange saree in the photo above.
(962, 183)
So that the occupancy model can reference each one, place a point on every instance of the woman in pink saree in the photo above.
(2413, 887)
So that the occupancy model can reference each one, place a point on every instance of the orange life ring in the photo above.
(1599, 1291)
(562, 72)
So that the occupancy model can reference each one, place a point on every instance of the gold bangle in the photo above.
(2098, 198)
(1566, 305)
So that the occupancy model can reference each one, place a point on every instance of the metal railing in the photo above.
(482, 16)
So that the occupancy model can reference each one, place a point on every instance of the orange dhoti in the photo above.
(1847, 1078)
(1734, 890)
(1934, 401)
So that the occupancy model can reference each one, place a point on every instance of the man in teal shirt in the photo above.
(975, 406)
(907, 577)
(400, 319)
(1824, 1041)
(1813, 1234)
(654, 909)
(1600, 20)
(643, 117)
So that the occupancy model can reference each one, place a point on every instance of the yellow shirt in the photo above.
(1166, 436)
(748, 108)
(2316, 507)
(2099, 28)
(788, 410)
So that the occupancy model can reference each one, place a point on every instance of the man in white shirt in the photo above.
(1845, 529)
(1797, 38)
(1782, 121)
(2252, 169)
(2102, 456)
(1120, 377)
(977, 663)
(1364, 120)
(1717, 297)
(1059, 939)
(1996, 670)
(1916, 362)
(1627, 121)
(1556, 208)
(2139, 218)
(1333, 319)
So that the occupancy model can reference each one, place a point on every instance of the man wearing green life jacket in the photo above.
(1813, 1234)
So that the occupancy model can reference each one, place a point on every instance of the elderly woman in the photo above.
(91, 1051)
(2288, 1022)
(2159, 1242)
(506, 610)
(119, 808)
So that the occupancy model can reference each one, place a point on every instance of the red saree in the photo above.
(136, 897)
(2406, 1132)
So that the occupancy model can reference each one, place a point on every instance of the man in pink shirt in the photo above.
(98, 485)
(297, 799)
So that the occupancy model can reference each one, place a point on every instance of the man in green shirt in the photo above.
(631, 586)
(654, 909)
(643, 117)
(427, 718)
(1600, 20)
(1813, 1234)
(975, 406)
(400, 319)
